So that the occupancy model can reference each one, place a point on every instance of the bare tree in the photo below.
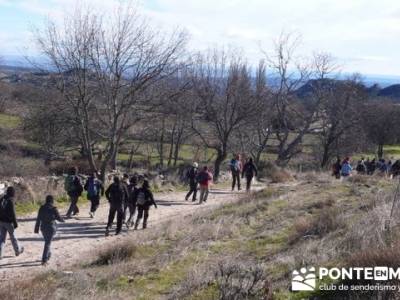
(222, 86)
(104, 67)
(381, 123)
(293, 118)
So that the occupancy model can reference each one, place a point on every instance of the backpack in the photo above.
(93, 190)
(69, 184)
(141, 198)
(3, 203)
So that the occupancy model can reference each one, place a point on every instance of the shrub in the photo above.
(235, 281)
(116, 253)
(328, 220)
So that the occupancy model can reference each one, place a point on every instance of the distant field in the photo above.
(9, 121)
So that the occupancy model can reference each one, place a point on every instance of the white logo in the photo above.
(305, 280)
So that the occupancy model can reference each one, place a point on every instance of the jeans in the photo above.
(4, 229)
(48, 231)
(248, 182)
(142, 210)
(119, 210)
(193, 189)
(94, 203)
(132, 210)
(73, 208)
(203, 193)
(235, 179)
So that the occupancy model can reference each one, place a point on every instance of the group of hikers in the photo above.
(365, 167)
(124, 195)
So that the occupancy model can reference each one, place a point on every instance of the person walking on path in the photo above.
(192, 177)
(249, 170)
(346, 169)
(131, 204)
(74, 189)
(46, 221)
(144, 199)
(236, 168)
(116, 195)
(95, 190)
(8, 222)
(336, 167)
(204, 178)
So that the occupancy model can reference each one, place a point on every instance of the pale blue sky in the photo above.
(363, 35)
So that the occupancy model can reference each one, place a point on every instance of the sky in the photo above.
(362, 35)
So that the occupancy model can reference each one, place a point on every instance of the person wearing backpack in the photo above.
(192, 177)
(236, 168)
(74, 189)
(204, 178)
(95, 190)
(131, 204)
(46, 221)
(249, 170)
(8, 222)
(144, 199)
(336, 167)
(116, 195)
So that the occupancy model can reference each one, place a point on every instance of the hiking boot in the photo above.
(91, 215)
(118, 233)
(127, 225)
(107, 232)
(186, 198)
(144, 226)
(136, 225)
(194, 200)
(21, 250)
(45, 263)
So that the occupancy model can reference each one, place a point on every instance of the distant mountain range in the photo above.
(18, 71)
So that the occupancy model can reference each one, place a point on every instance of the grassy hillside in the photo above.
(217, 254)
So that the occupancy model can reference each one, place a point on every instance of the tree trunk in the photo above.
(380, 151)
(161, 144)
(113, 162)
(221, 156)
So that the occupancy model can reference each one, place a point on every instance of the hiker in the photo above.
(371, 167)
(361, 167)
(236, 168)
(131, 204)
(74, 189)
(143, 198)
(95, 190)
(395, 169)
(204, 178)
(116, 195)
(192, 177)
(382, 166)
(8, 222)
(346, 169)
(46, 221)
(250, 170)
(336, 167)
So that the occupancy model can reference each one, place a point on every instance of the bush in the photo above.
(235, 281)
(275, 173)
(116, 253)
(328, 220)
(21, 167)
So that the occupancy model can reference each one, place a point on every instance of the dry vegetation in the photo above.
(243, 250)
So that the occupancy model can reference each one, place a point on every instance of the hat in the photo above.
(195, 164)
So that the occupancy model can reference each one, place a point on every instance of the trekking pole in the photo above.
(395, 199)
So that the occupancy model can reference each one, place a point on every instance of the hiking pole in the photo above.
(395, 198)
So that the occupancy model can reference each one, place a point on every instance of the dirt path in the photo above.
(80, 236)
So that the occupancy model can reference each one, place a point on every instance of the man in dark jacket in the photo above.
(249, 170)
(130, 204)
(116, 195)
(95, 190)
(8, 222)
(74, 189)
(46, 221)
(192, 177)
(144, 199)
(236, 167)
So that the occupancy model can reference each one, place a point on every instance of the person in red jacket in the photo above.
(204, 179)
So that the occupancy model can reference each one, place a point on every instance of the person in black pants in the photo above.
(46, 221)
(131, 204)
(144, 199)
(95, 190)
(116, 195)
(74, 189)
(249, 170)
(192, 177)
